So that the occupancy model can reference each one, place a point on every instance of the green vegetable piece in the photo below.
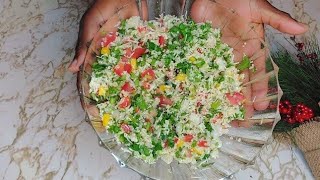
(145, 151)
(194, 143)
(208, 126)
(114, 129)
(135, 147)
(184, 66)
(200, 62)
(141, 103)
(123, 139)
(171, 142)
(216, 104)
(157, 146)
(244, 64)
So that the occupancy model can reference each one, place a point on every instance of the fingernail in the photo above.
(303, 25)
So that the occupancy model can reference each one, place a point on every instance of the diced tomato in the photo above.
(189, 153)
(109, 38)
(165, 144)
(142, 29)
(188, 137)
(126, 128)
(138, 52)
(146, 85)
(165, 101)
(202, 143)
(151, 129)
(137, 110)
(217, 118)
(124, 102)
(141, 43)
(127, 87)
(148, 74)
(199, 104)
(176, 140)
(118, 69)
(128, 52)
(124, 59)
(161, 40)
(235, 98)
(199, 50)
(127, 67)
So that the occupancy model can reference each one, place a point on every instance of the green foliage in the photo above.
(299, 82)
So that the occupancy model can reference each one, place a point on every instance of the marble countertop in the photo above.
(43, 134)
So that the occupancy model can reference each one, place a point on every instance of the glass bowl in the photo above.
(244, 140)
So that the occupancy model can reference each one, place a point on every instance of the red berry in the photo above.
(291, 121)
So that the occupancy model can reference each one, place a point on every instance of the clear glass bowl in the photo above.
(240, 145)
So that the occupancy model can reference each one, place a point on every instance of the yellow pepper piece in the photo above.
(197, 151)
(105, 51)
(192, 59)
(163, 88)
(133, 63)
(106, 119)
(181, 77)
(180, 143)
(102, 91)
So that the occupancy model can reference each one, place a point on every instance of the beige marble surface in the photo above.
(43, 134)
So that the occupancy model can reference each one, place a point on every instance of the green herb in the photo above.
(244, 64)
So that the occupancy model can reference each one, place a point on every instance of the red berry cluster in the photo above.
(295, 114)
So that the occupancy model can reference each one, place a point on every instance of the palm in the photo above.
(244, 35)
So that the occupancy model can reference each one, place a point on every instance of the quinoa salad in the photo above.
(167, 88)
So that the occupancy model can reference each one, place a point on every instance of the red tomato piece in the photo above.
(235, 98)
(189, 153)
(124, 102)
(118, 69)
(148, 74)
(126, 128)
(128, 52)
(165, 145)
(109, 38)
(127, 67)
(165, 101)
(161, 40)
(124, 59)
(202, 143)
(146, 85)
(138, 52)
(142, 29)
(127, 87)
(188, 137)
(176, 140)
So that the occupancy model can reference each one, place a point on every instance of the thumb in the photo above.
(280, 20)
(78, 59)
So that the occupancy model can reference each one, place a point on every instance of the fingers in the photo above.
(279, 19)
(89, 25)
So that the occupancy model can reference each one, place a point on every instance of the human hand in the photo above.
(100, 12)
(245, 33)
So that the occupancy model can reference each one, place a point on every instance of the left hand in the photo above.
(245, 33)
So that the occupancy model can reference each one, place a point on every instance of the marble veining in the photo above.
(43, 134)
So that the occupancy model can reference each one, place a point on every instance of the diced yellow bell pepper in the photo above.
(163, 88)
(106, 119)
(133, 62)
(197, 151)
(102, 90)
(181, 77)
(105, 51)
(180, 143)
(192, 59)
